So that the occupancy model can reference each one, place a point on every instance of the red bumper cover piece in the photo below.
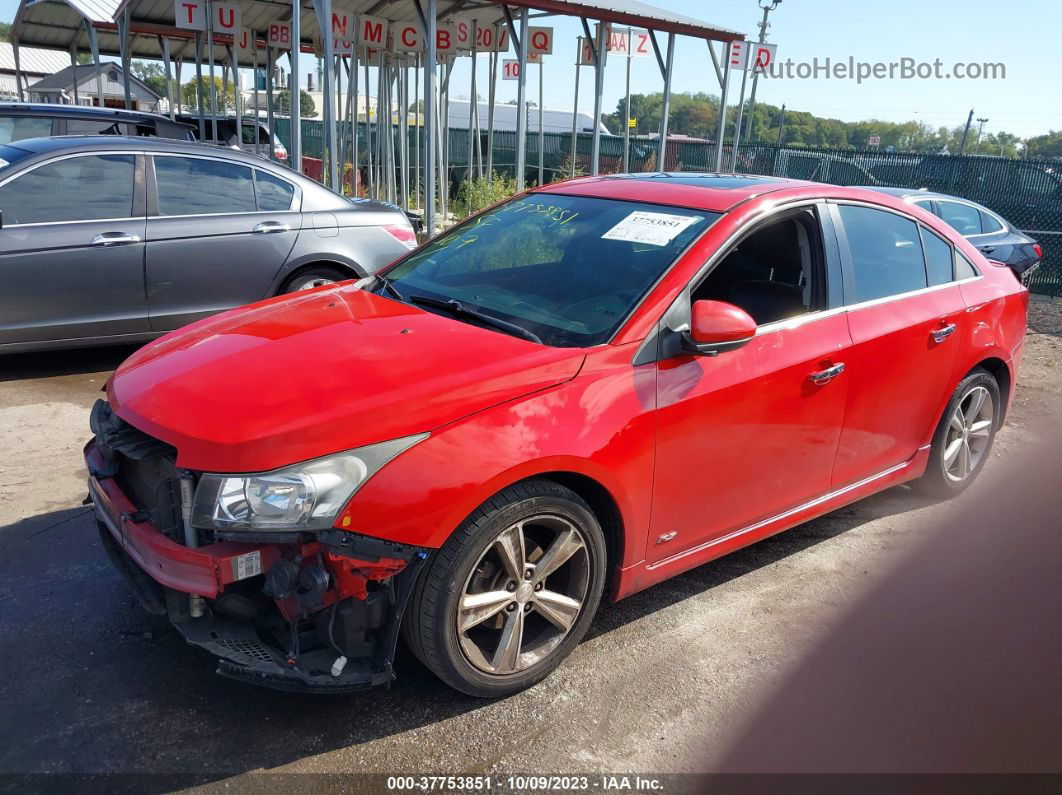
(204, 571)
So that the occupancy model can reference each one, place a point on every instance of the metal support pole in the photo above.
(270, 118)
(756, 75)
(177, 80)
(254, 84)
(740, 113)
(667, 69)
(164, 45)
(575, 106)
(521, 102)
(417, 176)
(472, 103)
(444, 107)
(73, 71)
(323, 9)
(213, 76)
(294, 93)
(601, 56)
(199, 98)
(370, 180)
(353, 96)
(430, 27)
(123, 34)
(94, 47)
(491, 93)
(720, 129)
(541, 127)
(627, 107)
(237, 97)
(18, 70)
(403, 130)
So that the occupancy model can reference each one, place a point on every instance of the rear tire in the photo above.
(511, 592)
(315, 276)
(963, 439)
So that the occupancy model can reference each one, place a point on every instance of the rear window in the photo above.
(16, 128)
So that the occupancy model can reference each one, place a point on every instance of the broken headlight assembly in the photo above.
(306, 496)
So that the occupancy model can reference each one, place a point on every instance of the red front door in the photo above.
(747, 434)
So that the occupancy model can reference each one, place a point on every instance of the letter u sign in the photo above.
(226, 18)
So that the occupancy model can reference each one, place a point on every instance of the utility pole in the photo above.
(980, 128)
(966, 132)
(768, 6)
(781, 126)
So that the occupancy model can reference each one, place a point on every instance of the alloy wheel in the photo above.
(524, 594)
(316, 281)
(969, 434)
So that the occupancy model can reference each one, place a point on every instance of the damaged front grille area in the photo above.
(145, 468)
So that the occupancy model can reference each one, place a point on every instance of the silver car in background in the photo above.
(107, 239)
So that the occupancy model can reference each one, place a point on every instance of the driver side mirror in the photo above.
(717, 327)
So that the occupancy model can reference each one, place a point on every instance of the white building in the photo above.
(36, 64)
(59, 88)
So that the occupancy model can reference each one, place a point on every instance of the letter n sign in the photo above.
(190, 14)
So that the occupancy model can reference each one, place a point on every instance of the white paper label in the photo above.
(654, 229)
(249, 565)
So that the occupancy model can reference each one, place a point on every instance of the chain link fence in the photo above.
(1028, 193)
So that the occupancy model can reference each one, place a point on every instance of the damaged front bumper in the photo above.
(318, 612)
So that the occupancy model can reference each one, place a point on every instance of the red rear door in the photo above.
(905, 310)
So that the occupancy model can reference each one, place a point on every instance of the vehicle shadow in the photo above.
(50, 364)
(97, 686)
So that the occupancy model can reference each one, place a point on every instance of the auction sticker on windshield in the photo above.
(654, 229)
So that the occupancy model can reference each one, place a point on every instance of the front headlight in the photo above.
(305, 496)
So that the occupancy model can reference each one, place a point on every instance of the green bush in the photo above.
(480, 192)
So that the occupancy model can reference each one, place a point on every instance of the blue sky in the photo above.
(1024, 35)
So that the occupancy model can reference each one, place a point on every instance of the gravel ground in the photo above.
(91, 684)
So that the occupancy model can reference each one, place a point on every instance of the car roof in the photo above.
(48, 109)
(145, 143)
(701, 191)
(914, 193)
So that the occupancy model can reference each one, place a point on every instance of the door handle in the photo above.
(270, 227)
(825, 376)
(942, 333)
(114, 239)
(987, 249)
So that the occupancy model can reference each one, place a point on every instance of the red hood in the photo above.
(300, 377)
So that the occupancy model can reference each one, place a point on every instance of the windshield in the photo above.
(568, 269)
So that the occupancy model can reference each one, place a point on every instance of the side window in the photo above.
(886, 252)
(93, 127)
(200, 186)
(15, 128)
(938, 257)
(963, 218)
(773, 274)
(274, 193)
(989, 223)
(926, 205)
(964, 269)
(83, 188)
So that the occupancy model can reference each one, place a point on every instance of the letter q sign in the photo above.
(540, 40)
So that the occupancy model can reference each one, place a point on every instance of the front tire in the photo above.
(315, 276)
(963, 439)
(511, 592)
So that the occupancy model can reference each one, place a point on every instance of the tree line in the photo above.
(696, 114)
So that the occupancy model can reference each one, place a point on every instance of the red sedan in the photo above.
(589, 388)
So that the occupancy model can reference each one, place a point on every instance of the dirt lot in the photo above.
(89, 683)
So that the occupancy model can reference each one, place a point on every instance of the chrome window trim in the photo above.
(69, 156)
